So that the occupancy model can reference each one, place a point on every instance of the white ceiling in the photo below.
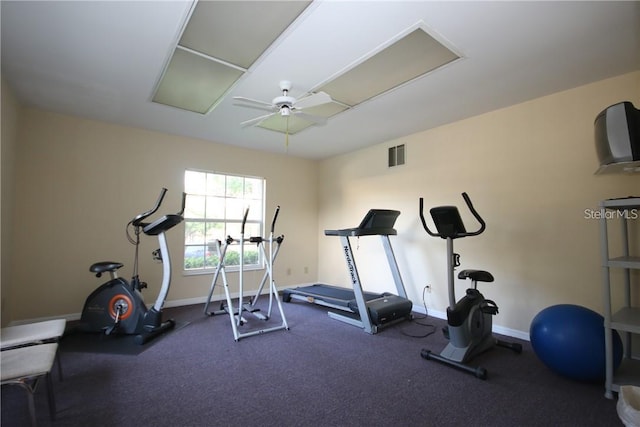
(103, 60)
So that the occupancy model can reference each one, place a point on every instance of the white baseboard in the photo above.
(496, 328)
(187, 301)
(201, 300)
(67, 317)
(76, 316)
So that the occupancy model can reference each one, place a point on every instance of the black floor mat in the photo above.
(81, 342)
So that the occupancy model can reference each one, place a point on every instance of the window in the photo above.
(214, 209)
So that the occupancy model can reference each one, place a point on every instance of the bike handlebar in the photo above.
(184, 201)
(473, 211)
(138, 219)
(424, 222)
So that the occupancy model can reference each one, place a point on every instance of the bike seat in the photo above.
(476, 275)
(101, 267)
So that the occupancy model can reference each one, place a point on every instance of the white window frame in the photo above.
(220, 211)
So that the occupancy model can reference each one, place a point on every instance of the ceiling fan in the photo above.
(285, 106)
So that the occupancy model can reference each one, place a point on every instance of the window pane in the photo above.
(211, 261)
(193, 232)
(252, 229)
(194, 206)
(235, 186)
(232, 257)
(233, 229)
(253, 188)
(194, 257)
(194, 182)
(211, 254)
(215, 207)
(235, 209)
(215, 231)
(250, 255)
(215, 185)
(255, 210)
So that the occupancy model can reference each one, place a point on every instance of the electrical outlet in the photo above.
(428, 288)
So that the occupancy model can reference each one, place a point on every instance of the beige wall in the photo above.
(8, 143)
(528, 168)
(80, 181)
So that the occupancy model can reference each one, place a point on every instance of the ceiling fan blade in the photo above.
(313, 100)
(258, 107)
(255, 121)
(320, 121)
(248, 102)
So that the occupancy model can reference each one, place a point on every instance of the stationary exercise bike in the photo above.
(469, 320)
(117, 306)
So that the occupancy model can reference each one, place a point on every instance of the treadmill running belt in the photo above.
(334, 294)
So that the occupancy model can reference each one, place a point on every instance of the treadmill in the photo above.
(367, 310)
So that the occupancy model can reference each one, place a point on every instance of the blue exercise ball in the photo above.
(569, 339)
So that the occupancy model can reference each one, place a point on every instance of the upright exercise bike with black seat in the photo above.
(117, 306)
(469, 320)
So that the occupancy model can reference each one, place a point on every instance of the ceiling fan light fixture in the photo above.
(285, 111)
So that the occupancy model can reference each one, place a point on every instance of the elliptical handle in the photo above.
(138, 219)
(424, 222)
(475, 213)
(244, 220)
(275, 217)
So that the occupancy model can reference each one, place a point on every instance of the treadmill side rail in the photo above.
(363, 312)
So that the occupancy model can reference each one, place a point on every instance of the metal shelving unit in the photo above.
(627, 318)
